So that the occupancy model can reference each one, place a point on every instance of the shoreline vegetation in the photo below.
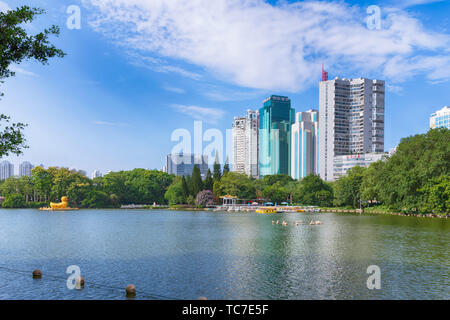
(323, 210)
(413, 181)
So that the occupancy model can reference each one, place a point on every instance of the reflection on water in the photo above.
(223, 256)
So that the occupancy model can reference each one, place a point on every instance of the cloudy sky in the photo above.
(137, 70)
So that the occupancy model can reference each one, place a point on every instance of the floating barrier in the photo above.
(37, 274)
(79, 283)
(130, 290)
(91, 284)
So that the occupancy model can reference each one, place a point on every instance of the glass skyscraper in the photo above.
(275, 119)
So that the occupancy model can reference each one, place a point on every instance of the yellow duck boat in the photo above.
(266, 210)
(61, 206)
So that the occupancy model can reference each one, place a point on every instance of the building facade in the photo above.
(441, 118)
(6, 170)
(305, 144)
(275, 120)
(181, 164)
(245, 144)
(25, 169)
(96, 174)
(343, 163)
(351, 120)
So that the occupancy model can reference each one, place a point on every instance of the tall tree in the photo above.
(197, 183)
(184, 187)
(15, 47)
(209, 182)
(175, 194)
(226, 167)
(217, 171)
(348, 188)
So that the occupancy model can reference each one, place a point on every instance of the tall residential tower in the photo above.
(6, 170)
(351, 120)
(25, 169)
(305, 144)
(245, 144)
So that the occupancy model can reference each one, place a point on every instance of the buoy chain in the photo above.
(93, 284)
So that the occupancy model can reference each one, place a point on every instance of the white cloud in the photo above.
(436, 68)
(217, 93)
(174, 89)
(106, 123)
(394, 89)
(160, 65)
(257, 45)
(17, 69)
(411, 3)
(210, 115)
(4, 6)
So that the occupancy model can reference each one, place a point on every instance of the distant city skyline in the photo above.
(113, 102)
(182, 164)
(24, 168)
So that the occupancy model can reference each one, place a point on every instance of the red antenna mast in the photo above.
(324, 74)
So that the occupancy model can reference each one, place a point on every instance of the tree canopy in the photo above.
(16, 45)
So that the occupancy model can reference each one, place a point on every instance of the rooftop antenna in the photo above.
(324, 74)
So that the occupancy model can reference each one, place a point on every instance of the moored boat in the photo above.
(266, 210)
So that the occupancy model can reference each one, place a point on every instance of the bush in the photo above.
(14, 201)
(205, 198)
(36, 205)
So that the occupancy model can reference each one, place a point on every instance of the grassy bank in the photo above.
(382, 210)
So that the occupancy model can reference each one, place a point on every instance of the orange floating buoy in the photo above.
(202, 298)
(79, 282)
(131, 290)
(37, 274)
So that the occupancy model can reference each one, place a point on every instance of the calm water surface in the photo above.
(222, 256)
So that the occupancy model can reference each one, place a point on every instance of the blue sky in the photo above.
(137, 70)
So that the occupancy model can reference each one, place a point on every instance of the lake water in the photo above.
(186, 255)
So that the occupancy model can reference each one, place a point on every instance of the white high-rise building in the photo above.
(245, 144)
(6, 170)
(441, 118)
(96, 174)
(305, 144)
(25, 169)
(351, 113)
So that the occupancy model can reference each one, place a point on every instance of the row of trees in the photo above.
(138, 186)
(415, 179)
(275, 188)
